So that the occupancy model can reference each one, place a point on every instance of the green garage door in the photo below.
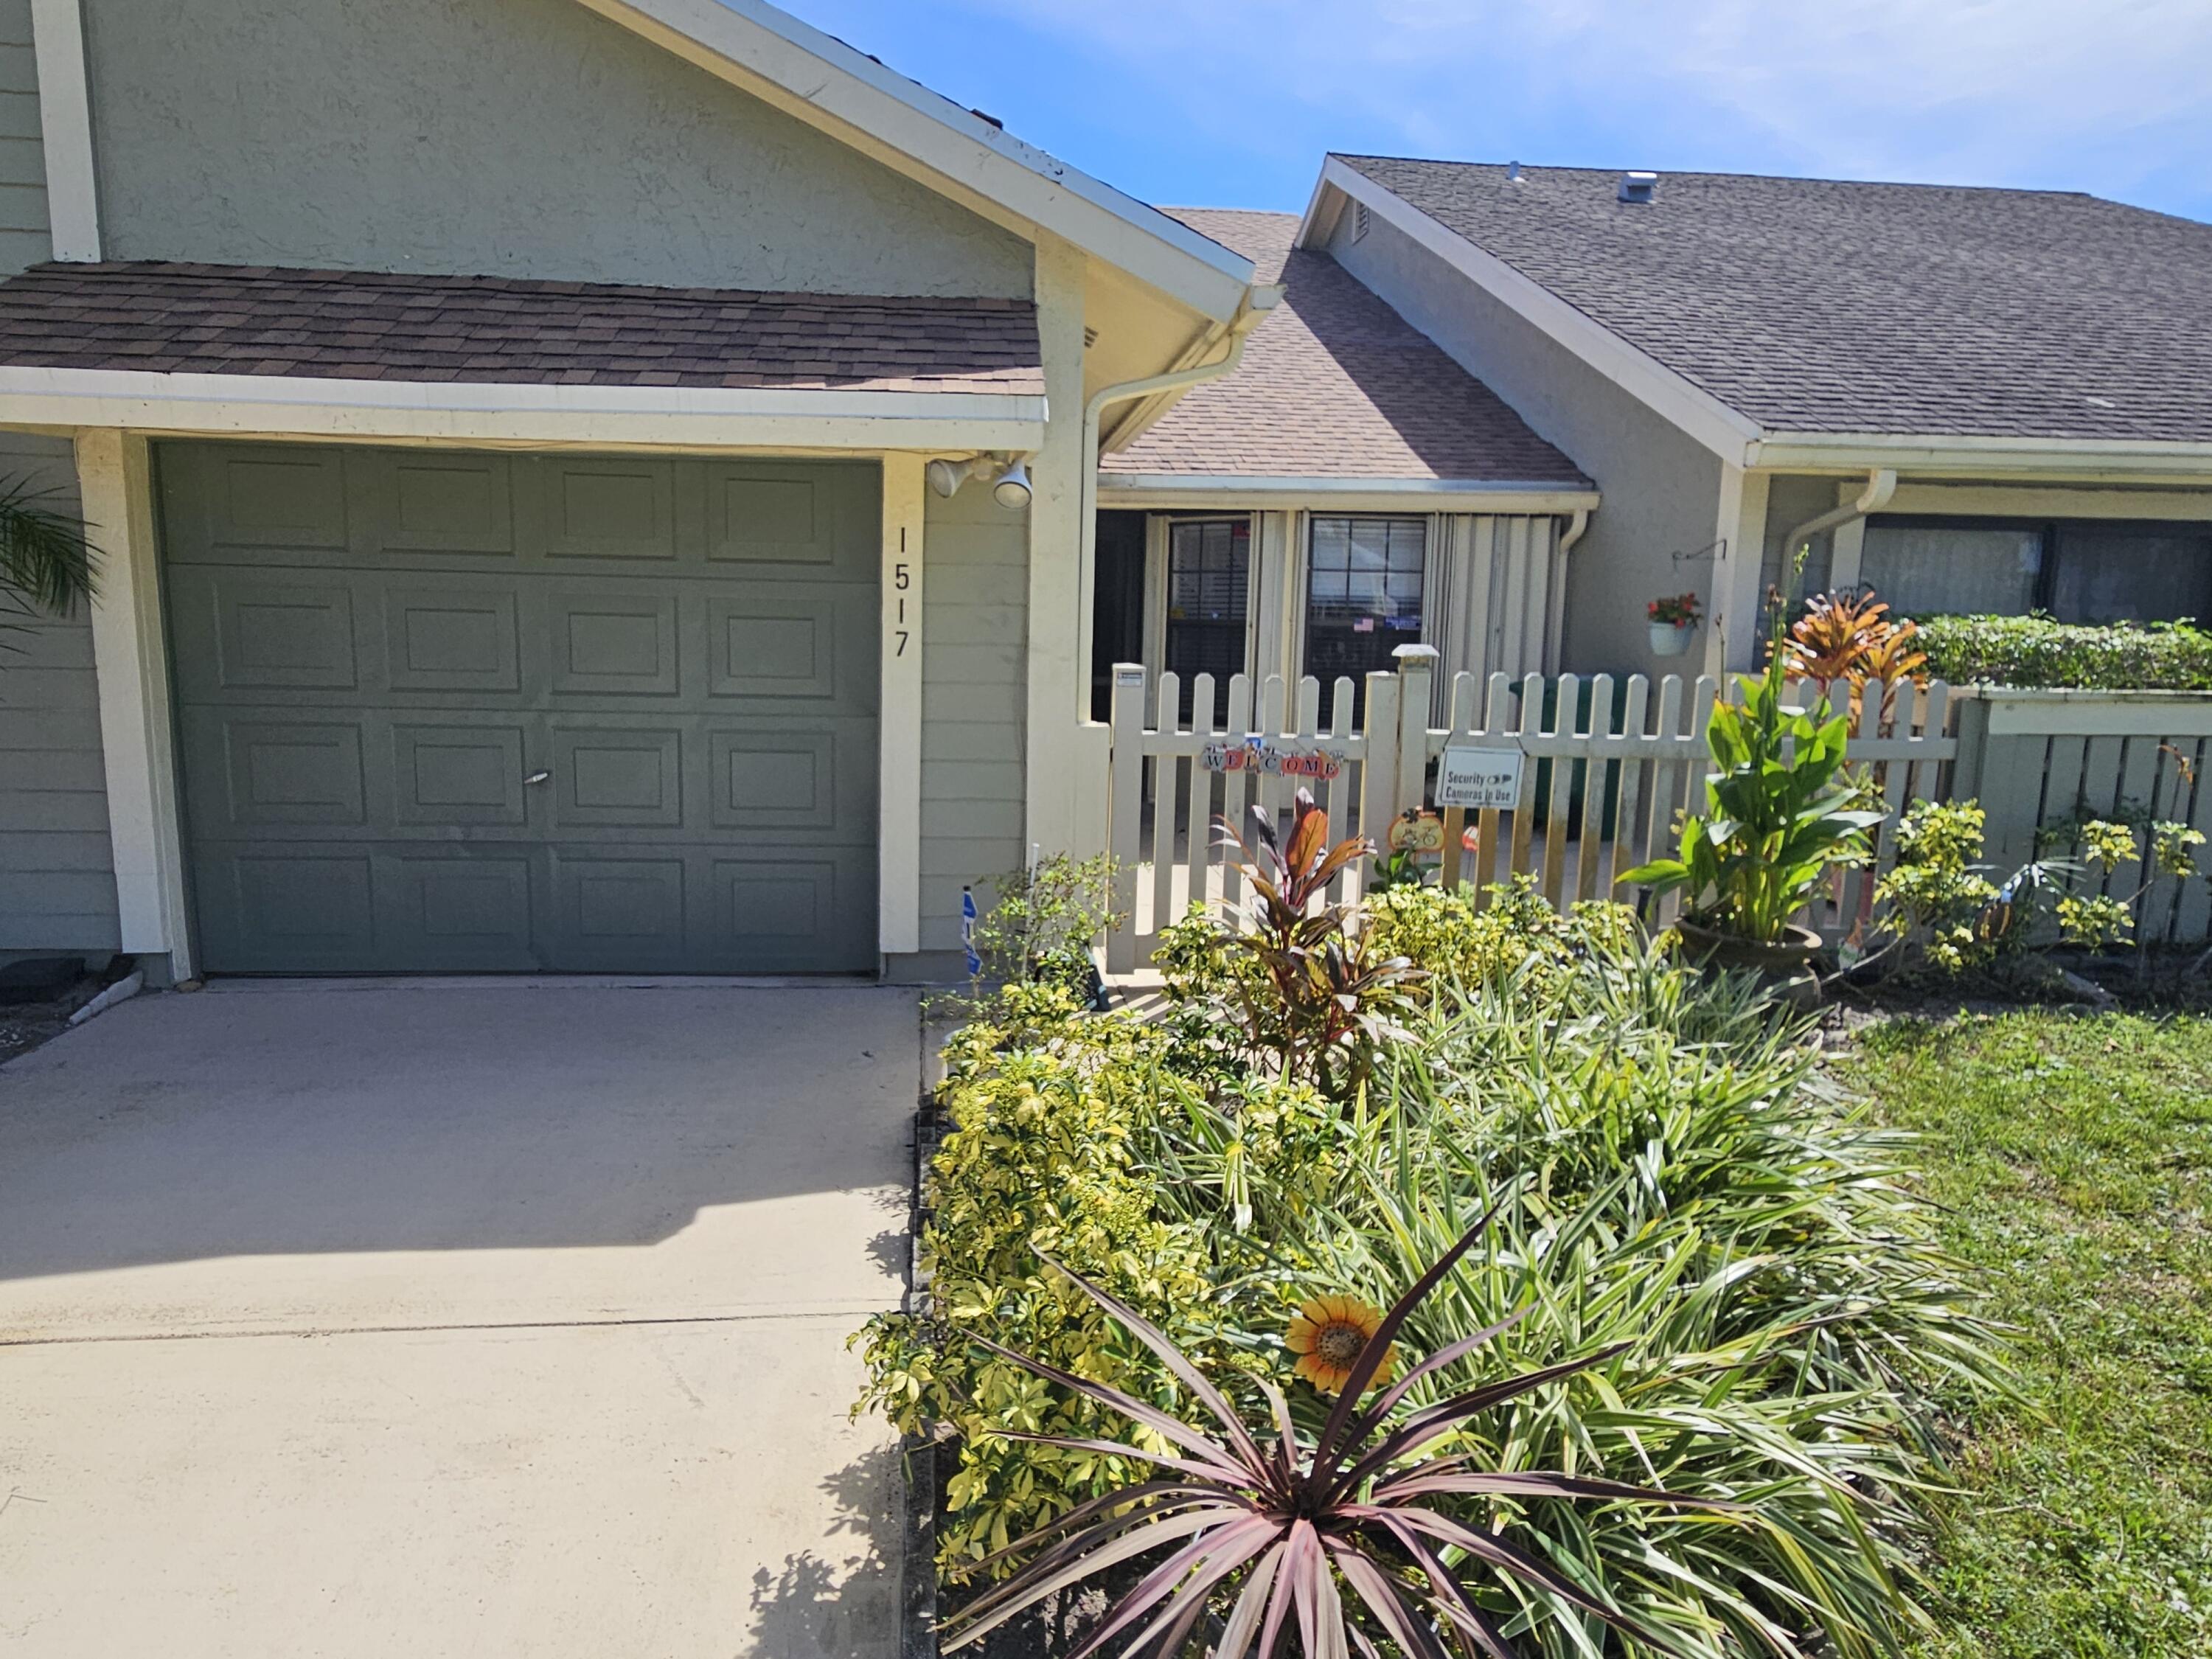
(441, 712)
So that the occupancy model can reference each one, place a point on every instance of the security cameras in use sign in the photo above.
(1486, 779)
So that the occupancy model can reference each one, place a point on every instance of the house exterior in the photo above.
(505, 423)
(510, 426)
(1982, 400)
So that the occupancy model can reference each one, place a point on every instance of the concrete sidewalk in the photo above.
(484, 1318)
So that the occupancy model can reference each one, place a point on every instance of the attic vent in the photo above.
(1638, 186)
(1090, 338)
(1358, 220)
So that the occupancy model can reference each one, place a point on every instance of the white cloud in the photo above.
(2002, 91)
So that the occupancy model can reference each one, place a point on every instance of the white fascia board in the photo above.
(475, 412)
(1172, 491)
(2097, 460)
(1720, 428)
(830, 83)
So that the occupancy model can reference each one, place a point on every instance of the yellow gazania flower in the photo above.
(1329, 1334)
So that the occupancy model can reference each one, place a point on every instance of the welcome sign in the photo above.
(1273, 761)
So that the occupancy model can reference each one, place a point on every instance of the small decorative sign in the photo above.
(1269, 760)
(1484, 779)
(1414, 831)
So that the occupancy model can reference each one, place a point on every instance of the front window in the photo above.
(1363, 593)
(2080, 570)
(1928, 570)
(1209, 576)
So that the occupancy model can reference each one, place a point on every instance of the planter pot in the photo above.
(1785, 966)
(1671, 639)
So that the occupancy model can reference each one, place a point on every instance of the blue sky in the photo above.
(1230, 103)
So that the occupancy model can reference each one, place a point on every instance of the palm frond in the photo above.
(46, 555)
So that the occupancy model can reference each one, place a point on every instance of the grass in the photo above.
(2074, 1156)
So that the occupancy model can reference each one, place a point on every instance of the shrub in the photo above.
(1942, 910)
(2036, 651)
(1042, 1104)
(1042, 920)
(1457, 942)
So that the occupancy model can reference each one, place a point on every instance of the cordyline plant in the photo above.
(1321, 1000)
(1298, 1520)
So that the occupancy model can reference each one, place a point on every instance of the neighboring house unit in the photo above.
(507, 425)
(1997, 400)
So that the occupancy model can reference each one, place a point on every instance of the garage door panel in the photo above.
(262, 912)
(803, 912)
(606, 507)
(605, 643)
(815, 781)
(460, 913)
(459, 773)
(278, 773)
(248, 495)
(615, 915)
(617, 777)
(435, 502)
(451, 637)
(359, 719)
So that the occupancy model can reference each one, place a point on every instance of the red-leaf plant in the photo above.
(1327, 1001)
(1296, 1518)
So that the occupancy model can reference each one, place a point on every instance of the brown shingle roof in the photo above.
(1816, 305)
(373, 325)
(1336, 385)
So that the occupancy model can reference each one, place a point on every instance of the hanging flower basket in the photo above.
(1674, 618)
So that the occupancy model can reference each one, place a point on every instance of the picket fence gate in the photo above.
(1598, 795)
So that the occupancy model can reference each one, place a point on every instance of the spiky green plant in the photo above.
(1291, 1519)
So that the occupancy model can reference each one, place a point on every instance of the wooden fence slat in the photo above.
(1659, 810)
(1236, 789)
(1199, 852)
(1126, 785)
(1524, 817)
(1338, 791)
(2193, 918)
(1589, 829)
(1568, 690)
(1494, 717)
(1620, 851)
(1167, 788)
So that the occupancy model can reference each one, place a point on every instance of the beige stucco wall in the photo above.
(1660, 488)
(515, 138)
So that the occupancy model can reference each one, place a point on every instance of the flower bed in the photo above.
(1743, 1308)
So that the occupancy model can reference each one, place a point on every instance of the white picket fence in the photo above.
(1598, 795)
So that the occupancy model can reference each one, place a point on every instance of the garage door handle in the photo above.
(537, 777)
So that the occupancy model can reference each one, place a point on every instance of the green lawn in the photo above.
(2074, 1156)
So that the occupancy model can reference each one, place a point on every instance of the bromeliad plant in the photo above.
(1780, 813)
(1321, 1000)
(1276, 1524)
(1851, 637)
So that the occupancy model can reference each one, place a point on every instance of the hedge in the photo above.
(2036, 651)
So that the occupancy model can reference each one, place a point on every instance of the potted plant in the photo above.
(1780, 813)
(1675, 618)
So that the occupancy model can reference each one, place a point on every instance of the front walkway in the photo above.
(480, 1318)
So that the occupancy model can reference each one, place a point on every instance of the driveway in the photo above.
(435, 1318)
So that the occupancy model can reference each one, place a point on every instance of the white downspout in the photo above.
(1258, 300)
(1882, 484)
